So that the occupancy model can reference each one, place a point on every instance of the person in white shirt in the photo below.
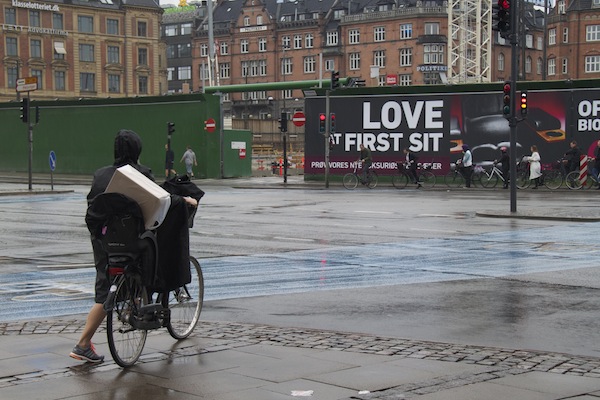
(467, 164)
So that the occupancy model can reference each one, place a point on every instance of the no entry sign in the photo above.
(210, 125)
(298, 118)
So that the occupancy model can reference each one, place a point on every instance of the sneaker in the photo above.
(88, 354)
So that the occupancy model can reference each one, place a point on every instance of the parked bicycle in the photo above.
(455, 178)
(551, 178)
(135, 304)
(425, 177)
(490, 179)
(351, 179)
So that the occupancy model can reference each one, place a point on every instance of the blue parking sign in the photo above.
(52, 160)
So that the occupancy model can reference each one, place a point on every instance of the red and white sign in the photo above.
(242, 153)
(391, 79)
(210, 125)
(298, 118)
(27, 84)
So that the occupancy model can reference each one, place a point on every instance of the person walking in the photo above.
(169, 161)
(411, 165)
(504, 162)
(367, 160)
(467, 164)
(535, 167)
(189, 157)
(572, 157)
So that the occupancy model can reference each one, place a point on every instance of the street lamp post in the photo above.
(283, 110)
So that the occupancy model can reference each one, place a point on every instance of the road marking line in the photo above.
(373, 212)
(293, 239)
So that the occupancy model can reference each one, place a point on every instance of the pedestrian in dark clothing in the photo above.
(169, 162)
(410, 163)
(367, 160)
(504, 162)
(572, 157)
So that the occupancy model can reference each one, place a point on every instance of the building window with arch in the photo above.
(552, 66)
(406, 57)
(565, 66)
(286, 66)
(592, 64)
(224, 48)
(262, 45)
(309, 64)
(259, 20)
(354, 61)
(332, 38)
(309, 40)
(501, 62)
(244, 46)
(379, 58)
(246, 20)
(225, 70)
(297, 41)
(379, 34)
(538, 66)
(286, 41)
(592, 33)
(528, 62)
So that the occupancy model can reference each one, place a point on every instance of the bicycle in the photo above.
(575, 180)
(491, 179)
(455, 178)
(426, 178)
(551, 179)
(135, 302)
(351, 179)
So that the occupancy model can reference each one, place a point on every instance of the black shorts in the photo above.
(102, 284)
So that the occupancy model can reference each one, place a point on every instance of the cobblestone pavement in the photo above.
(498, 362)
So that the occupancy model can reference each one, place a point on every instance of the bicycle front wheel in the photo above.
(372, 179)
(523, 180)
(553, 179)
(454, 179)
(399, 180)
(124, 341)
(185, 304)
(427, 180)
(488, 181)
(572, 180)
(350, 181)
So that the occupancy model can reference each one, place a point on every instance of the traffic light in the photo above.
(523, 103)
(332, 124)
(335, 79)
(322, 122)
(25, 109)
(170, 128)
(503, 17)
(506, 100)
(283, 122)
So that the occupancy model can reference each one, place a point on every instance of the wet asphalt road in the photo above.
(409, 264)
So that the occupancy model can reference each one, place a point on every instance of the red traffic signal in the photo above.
(322, 122)
(506, 99)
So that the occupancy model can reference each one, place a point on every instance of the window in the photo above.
(259, 20)
(85, 24)
(142, 56)
(34, 18)
(332, 38)
(551, 36)
(37, 73)
(379, 58)
(262, 67)
(87, 82)
(592, 64)
(379, 33)
(244, 46)
(562, 8)
(405, 57)
(224, 48)
(354, 36)
(225, 70)
(10, 17)
(35, 48)
(204, 50)
(253, 68)
(309, 64)
(59, 80)
(59, 50)
(297, 41)
(565, 35)
(246, 21)
(170, 73)
(309, 41)
(186, 29)
(113, 55)
(552, 66)
(431, 78)
(286, 42)
(329, 65)
(565, 66)
(538, 66)
(405, 80)
(592, 33)
(528, 62)
(354, 61)
(433, 54)
(114, 83)
(184, 73)
(171, 51)
(529, 41)
(11, 46)
(540, 43)
(432, 28)
(112, 26)
(142, 27)
(184, 50)
(262, 44)
(57, 21)
(12, 76)
(406, 31)
(143, 84)
(286, 66)
(86, 52)
(171, 30)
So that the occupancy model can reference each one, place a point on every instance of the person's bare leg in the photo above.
(94, 319)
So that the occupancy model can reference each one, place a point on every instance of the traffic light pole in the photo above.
(30, 138)
(512, 122)
(327, 133)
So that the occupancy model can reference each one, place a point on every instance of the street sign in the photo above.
(298, 118)
(391, 79)
(210, 125)
(52, 160)
(27, 84)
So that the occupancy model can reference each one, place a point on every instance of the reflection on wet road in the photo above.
(52, 292)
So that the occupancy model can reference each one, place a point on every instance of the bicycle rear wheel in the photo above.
(185, 304)
(523, 181)
(427, 179)
(454, 179)
(350, 181)
(124, 341)
(372, 179)
(572, 180)
(553, 179)
(399, 180)
(488, 181)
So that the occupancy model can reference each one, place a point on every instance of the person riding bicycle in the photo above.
(127, 150)
(410, 164)
(466, 164)
(504, 160)
(367, 160)
(572, 156)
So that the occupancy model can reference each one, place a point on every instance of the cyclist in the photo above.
(367, 160)
(411, 165)
(571, 157)
(596, 167)
(504, 160)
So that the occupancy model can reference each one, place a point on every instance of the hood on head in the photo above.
(128, 147)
